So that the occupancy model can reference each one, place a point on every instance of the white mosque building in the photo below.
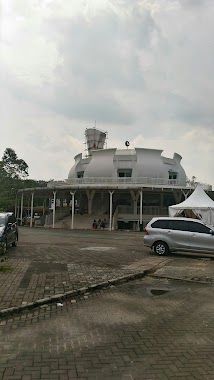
(126, 187)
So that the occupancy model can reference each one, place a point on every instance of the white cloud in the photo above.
(141, 68)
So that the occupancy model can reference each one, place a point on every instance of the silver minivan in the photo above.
(166, 235)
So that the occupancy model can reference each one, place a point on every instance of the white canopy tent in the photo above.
(198, 204)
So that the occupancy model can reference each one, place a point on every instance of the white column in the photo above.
(110, 216)
(185, 194)
(73, 208)
(113, 223)
(134, 197)
(28, 207)
(21, 216)
(31, 212)
(141, 206)
(90, 195)
(43, 207)
(18, 205)
(54, 208)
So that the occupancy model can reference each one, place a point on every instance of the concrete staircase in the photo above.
(81, 222)
(61, 214)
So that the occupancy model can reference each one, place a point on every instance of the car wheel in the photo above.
(161, 248)
(3, 247)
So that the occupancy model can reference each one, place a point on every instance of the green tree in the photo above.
(6, 189)
(191, 182)
(13, 177)
(13, 166)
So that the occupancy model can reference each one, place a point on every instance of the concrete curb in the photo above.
(73, 293)
(195, 280)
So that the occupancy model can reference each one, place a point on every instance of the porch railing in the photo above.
(147, 210)
(118, 181)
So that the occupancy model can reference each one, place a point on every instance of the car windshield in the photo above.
(2, 221)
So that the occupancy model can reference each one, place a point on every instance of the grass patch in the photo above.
(5, 268)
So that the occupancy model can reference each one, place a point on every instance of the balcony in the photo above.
(143, 181)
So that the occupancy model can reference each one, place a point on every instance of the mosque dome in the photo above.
(118, 163)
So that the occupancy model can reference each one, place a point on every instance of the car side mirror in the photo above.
(9, 225)
(212, 232)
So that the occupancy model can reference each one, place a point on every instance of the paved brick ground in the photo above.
(125, 333)
(48, 262)
(153, 329)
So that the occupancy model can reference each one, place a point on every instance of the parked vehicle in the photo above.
(8, 231)
(165, 235)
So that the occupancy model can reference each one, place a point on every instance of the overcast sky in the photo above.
(143, 69)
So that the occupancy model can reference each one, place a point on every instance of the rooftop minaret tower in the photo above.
(95, 139)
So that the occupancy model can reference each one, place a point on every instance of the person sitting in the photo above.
(94, 225)
(102, 224)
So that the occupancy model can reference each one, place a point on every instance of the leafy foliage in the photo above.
(13, 173)
(13, 166)
(191, 182)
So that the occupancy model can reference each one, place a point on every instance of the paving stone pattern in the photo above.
(153, 329)
(192, 274)
(48, 262)
(198, 270)
(122, 333)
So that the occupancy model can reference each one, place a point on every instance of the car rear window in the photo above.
(198, 227)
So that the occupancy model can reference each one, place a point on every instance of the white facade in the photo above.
(132, 163)
(127, 187)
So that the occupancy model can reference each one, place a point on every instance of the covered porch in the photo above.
(116, 202)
